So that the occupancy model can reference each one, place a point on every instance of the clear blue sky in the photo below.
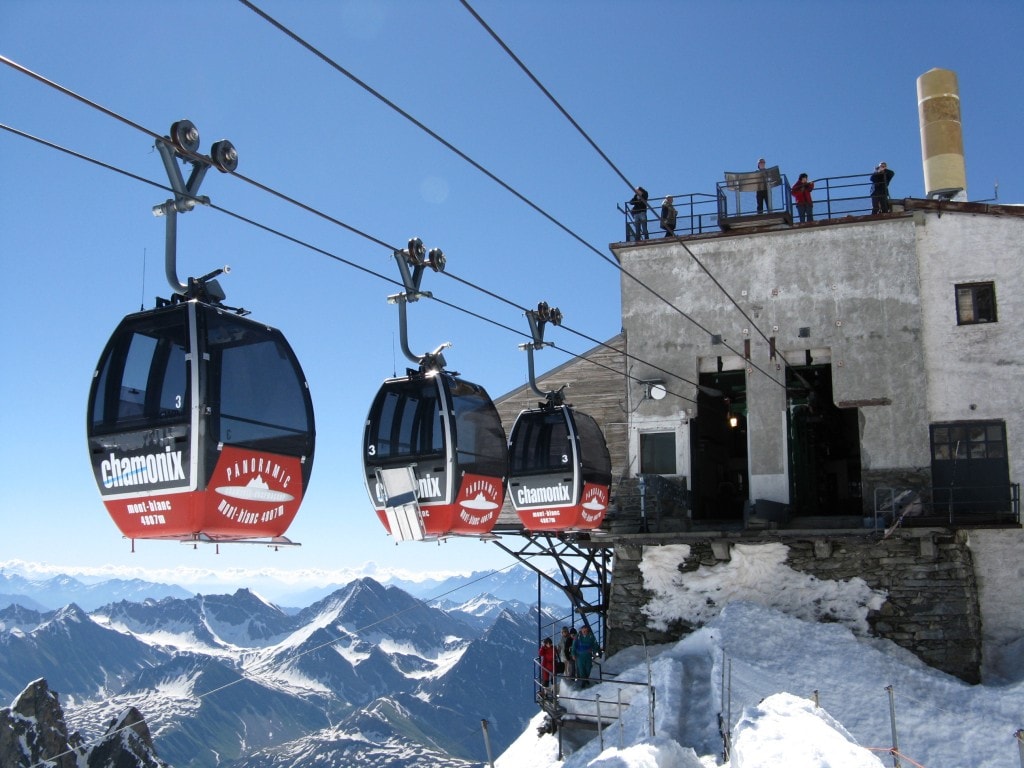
(674, 93)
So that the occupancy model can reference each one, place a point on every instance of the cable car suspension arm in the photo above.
(411, 264)
(538, 319)
(183, 143)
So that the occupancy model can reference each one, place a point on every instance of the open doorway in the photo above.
(824, 446)
(718, 439)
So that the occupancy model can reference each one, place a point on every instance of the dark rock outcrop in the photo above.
(33, 732)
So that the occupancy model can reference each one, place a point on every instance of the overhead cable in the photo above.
(340, 69)
(158, 137)
(316, 249)
(619, 173)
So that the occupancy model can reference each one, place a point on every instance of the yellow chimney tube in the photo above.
(942, 144)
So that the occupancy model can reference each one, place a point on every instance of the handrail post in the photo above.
(561, 755)
(892, 722)
(650, 687)
(729, 707)
(652, 698)
(618, 702)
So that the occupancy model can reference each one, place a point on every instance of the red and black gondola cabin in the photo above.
(435, 457)
(200, 426)
(559, 469)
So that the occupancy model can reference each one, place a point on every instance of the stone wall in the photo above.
(932, 607)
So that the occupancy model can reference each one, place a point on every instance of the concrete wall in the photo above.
(974, 370)
(875, 296)
(999, 573)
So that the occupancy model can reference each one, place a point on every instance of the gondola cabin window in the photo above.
(143, 380)
(479, 438)
(590, 435)
(260, 396)
(410, 424)
(542, 445)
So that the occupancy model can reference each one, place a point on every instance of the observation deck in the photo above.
(733, 204)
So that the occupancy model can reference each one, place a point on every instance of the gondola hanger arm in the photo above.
(183, 144)
(412, 263)
(538, 319)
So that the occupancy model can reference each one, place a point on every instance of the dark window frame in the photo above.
(965, 440)
(975, 303)
(654, 462)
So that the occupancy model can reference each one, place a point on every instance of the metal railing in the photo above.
(549, 690)
(696, 212)
(835, 197)
(960, 506)
(595, 710)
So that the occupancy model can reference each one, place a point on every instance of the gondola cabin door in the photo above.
(200, 426)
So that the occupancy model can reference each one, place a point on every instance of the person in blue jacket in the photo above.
(584, 649)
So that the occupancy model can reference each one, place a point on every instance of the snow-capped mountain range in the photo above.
(514, 584)
(368, 675)
(58, 591)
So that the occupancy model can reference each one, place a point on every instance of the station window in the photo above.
(658, 453)
(969, 440)
(975, 303)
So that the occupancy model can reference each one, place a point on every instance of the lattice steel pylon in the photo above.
(582, 569)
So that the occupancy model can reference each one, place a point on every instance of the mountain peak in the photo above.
(33, 732)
